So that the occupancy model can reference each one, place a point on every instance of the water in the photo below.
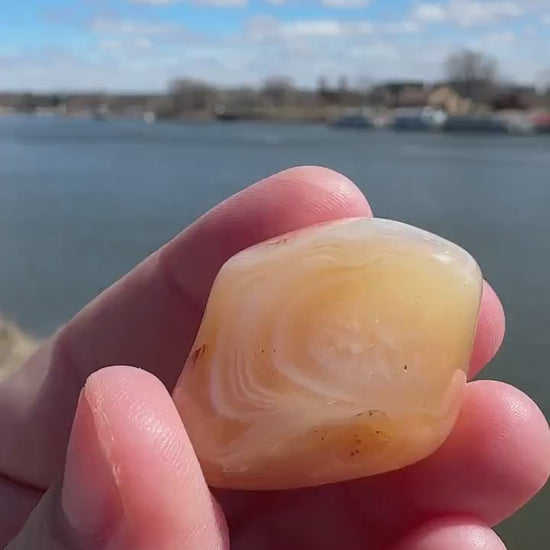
(81, 202)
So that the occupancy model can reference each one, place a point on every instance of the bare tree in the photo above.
(192, 95)
(240, 99)
(322, 84)
(325, 93)
(473, 74)
(543, 81)
(364, 84)
(343, 85)
(278, 91)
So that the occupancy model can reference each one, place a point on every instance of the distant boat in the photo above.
(519, 123)
(541, 123)
(356, 118)
(224, 115)
(100, 113)
(418, 119)
(229, 117)
(149, 117)
(477, 124)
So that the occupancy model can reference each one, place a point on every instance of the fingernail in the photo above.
(90, 495)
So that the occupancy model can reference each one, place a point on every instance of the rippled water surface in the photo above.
(81, 202)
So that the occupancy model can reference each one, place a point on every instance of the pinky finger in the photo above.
(452, 534)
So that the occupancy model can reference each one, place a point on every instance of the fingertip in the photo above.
(490, 330)
(500, 446)
(94, 488)
(106, 382)
(330, 193)
(494, 461)
(131, 479)
(514, 433)
(90, 497)
(164, 494)
(452, 533)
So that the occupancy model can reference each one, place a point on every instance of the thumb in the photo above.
(131, 480)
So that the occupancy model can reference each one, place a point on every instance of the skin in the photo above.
(100, 454)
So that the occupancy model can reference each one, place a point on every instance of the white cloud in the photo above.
(377, 50)
(144, 54)
(130, 62)
(64, 71)
(472, 12)
(497, 39)
(271, 28)
(133, 44)
(218, 3)
(311, 28)
(236, 3)
(130, 27)
(110, 44)
(428, 13)
(345, 3)
(466, 13)
(222, 3)
(403, 27)
(154, 2)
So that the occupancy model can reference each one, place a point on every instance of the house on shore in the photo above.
(399, 95)
(519, 98)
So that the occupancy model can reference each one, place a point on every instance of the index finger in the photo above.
(149, 318)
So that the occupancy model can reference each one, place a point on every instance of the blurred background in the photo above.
(121, 121)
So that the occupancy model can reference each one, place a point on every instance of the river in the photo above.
(81, 202)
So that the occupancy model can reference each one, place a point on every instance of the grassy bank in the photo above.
(15, 347)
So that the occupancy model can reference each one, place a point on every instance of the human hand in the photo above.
(130, 479)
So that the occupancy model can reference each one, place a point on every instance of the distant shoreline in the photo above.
(15, 347)
(426, 119)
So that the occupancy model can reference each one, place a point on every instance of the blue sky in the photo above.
(140, 45)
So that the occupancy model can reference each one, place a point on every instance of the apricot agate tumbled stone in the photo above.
(335, 352)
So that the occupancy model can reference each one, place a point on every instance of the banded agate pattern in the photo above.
(335, 352)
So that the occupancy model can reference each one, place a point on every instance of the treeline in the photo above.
(186, 96)
(472, 79)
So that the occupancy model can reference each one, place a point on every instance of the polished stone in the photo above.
(331, 353)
